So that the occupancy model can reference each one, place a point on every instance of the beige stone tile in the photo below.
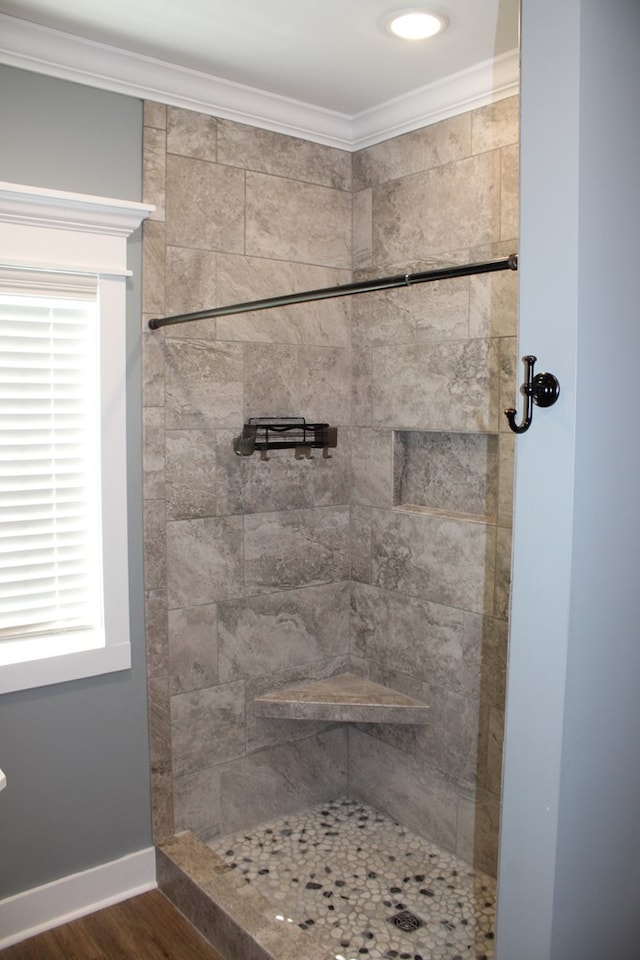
(283, 779)
(493, 304)
(161, 801)
(372, 467)
(511, 376)
(342, 697)
(153, 366)
(204, 560)
(432, 146)
(193, 858)
(200, 905)
(260, 635)
(283, 380)
(361, 386)
(155, 114)
(153, 267)
(191, 134)
(403, 737)
(360, 543)
(153, 460)
(295, 548)
(193, 648)
(362, 229)
(416, 314)
(204, 384)
(205, 205)
(275, 153)
(441, 386)
(191, 474)
(507, 443)
(289, 220)
(477, 830)
(495, 744)
(421, 639)
(253, 485)
(503, 573)
(453, 472)
(447, 208)
(449, 742)
(155, 613)
(322, 322)
(264, 732)
(496, 125)
(154, 171)
(159, 720)
(207, 727)
(191, 286)
(196, 803)
(443, 560)
(411, 792)
(509, 192)
(155, 559)
(485, 664)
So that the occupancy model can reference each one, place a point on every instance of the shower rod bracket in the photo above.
(543, 389)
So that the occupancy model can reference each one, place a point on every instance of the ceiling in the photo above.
(332, 55)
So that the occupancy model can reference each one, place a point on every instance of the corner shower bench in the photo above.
(344, 698)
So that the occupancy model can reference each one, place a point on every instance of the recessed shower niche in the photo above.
(446, 473)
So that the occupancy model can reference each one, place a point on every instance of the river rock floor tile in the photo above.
(368, 887)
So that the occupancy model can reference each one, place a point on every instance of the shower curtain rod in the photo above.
(347, 289)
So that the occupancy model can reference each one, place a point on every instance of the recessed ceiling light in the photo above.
(414, 24)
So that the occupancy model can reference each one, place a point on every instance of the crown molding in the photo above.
(475, 87)
(55, 53)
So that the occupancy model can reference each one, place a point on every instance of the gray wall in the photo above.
(76, 754)
(598, 862)
(570, 848)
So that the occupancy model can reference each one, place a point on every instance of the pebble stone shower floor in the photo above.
(369, 887)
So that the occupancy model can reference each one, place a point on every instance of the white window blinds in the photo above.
(50, 541)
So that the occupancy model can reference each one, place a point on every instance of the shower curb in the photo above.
(236, 920)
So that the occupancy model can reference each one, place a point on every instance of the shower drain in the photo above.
(406, 921)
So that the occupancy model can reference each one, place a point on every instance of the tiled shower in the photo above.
(391, 558)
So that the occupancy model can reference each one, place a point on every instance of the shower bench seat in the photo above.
(345, 698)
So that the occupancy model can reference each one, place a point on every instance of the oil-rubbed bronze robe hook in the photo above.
(543, 390)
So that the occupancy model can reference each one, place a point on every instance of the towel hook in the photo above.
(543, 390)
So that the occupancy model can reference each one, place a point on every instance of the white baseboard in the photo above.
(42, 908)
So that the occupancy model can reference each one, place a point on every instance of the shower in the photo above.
(327, 633)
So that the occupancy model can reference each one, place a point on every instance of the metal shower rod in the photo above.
(347, 289)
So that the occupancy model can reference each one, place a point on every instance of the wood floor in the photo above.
(146, 927)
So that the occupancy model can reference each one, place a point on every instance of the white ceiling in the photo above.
(331, 55)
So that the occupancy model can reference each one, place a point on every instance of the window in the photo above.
(63, 518)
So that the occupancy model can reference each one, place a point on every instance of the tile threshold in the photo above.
(344, 698)
(232, 916)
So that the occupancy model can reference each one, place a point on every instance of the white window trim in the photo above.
(56, 230)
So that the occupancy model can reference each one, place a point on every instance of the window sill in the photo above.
(60, 668)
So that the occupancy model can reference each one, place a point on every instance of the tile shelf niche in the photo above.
(344, 698)
(446, 474)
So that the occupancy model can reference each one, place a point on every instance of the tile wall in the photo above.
(262, 573)
(432, 468)
(247, 562)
